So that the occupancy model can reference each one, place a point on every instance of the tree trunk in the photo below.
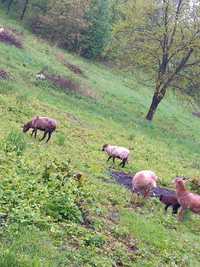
(24, 9)
(154, 104)
(9, 6)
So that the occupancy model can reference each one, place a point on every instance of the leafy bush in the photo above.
(4, 75)
(15, 142)
(60, 139)
(94, 240)
(63, 189)
(9, 38)
(98, 33)
(43, 197)
(63, 207)
(195, 185)
(9, 259)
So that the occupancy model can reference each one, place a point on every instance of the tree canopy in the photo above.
(162, 38)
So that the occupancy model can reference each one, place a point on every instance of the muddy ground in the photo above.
(125, 179)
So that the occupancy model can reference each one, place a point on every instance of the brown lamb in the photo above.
(45, 124)
(186, 199)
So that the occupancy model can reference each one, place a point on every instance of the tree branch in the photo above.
(180, 66)
(178, 9)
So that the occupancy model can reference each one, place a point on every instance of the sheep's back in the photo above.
(169, 199)
(120, 152)
(190, 200)
(144, 180)
(44, 123)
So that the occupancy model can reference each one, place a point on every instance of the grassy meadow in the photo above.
(55, 220)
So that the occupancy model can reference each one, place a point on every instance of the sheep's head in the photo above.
(104, 147)
(26, 127)
(180, 183)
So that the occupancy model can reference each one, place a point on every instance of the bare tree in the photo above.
(162, 37)
(175, 55)
(24, 9)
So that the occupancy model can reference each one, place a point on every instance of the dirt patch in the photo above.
(4, 75)
(63, 83)
(7, 36)
(74, 68)
(197, 114)
(69, 85)
(123, 179)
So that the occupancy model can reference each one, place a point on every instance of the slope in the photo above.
(52, 219)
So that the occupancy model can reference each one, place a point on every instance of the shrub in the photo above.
(4, 75)
(62, 206)
(8, 37)
(31, 197)
(15, 142)
(195, 185)
(9, 259)
(65, 195)
(60, 139)
(94, 240)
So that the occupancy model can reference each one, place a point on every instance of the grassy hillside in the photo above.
(53, 220)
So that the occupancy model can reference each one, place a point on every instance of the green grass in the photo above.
(45, 219)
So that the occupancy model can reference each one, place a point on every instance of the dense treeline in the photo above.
(160, 37)
(80, 26)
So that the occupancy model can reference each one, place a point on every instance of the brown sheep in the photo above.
(143, 182)
(45, 124)
(186, 199)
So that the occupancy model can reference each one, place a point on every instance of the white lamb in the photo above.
(118, 152)
(143, 182)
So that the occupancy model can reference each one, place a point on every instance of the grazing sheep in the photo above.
(186, 199)
(143, 182)
(45, 124)
(118, 152)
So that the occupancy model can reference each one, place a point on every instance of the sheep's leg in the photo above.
(120, 163)
(45, 134)
(35, 134)
(123, 162)
(181, 214)
(175, 208)
(166, 207)
(32, 132)
(49, 136)
(109, 158)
